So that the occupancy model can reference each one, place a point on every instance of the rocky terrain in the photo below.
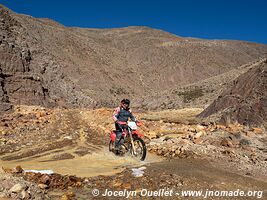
(202, 103)
(220, 157)
(44, 63)
(17, 187)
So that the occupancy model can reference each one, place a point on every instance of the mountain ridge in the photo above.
(81, 67)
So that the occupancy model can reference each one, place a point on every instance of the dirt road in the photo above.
(183, 156)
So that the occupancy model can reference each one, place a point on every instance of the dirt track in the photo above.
(179, 175)
(73, 142)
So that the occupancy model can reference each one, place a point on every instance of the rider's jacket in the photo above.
(121, 115)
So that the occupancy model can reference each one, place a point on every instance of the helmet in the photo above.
(126, 103)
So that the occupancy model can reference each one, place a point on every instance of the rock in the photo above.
(200, 128)
(177, 151)
(117, 183)
(79, 183)
(18, 169)
(199, 134)
(165, 150)
(166, 154)
(184, 141)
(257, 130)
(25, 195)
(226, 142)
(43, 186)
(167, 138)
(40, 114)
(193, 130)
(68, 196)
(45, 179)
(159, 152)
(218, 126)
(17, 188)
(174, 147)
(152, 134)
(250, 134)
(229, 152)
(234, 128)
(150, 149)
(254, 158)
(180, 183)
(198, 141)
(182, 149)
(126, 186)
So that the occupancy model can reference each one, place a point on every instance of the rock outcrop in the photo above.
(19, 83)
(245, 101)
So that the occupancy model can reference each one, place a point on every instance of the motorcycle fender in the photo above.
(113, 136)
(138, 134)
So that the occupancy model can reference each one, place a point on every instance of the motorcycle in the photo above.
(132, 142)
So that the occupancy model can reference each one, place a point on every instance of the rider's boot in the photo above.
(118, 142)
(117, 149)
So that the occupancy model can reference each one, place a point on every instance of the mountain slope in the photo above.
(245, 101)
(76, 67)
(200, 93)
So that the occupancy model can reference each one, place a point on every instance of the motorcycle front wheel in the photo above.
(140, 149)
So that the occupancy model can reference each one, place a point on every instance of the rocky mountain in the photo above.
(45, 63)
(200, 93)
(245, 101)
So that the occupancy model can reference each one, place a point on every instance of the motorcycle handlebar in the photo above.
(138, 123)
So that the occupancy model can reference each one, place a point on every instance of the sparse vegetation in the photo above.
(191, 95)
(186, 115)
(118, 91)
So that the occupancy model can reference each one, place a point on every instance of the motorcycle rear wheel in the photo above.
(111, 145)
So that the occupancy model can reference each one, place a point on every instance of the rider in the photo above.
(120, 116)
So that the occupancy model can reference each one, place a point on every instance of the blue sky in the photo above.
(211, 19)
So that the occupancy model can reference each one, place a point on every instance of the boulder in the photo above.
(17, 188)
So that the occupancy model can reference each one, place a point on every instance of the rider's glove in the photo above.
(138, 123)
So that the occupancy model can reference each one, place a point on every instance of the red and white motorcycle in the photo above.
(132, 141)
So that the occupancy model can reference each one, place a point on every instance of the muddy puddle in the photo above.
(101, 163)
